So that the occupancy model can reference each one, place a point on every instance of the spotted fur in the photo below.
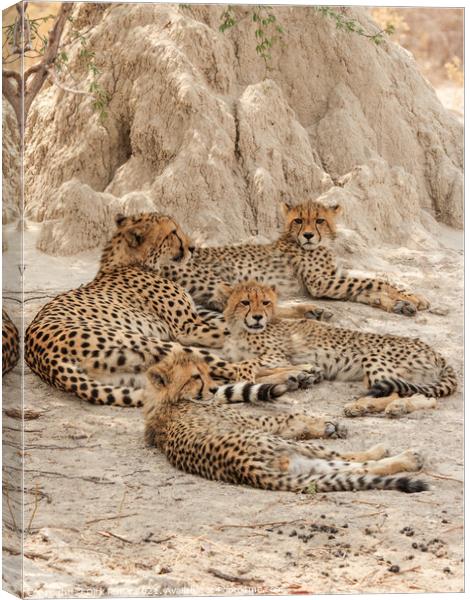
(124, 320)
(387, 363)
(301, 260)
(10, 343)
(204, 437)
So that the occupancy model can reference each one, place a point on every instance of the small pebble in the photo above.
(394, 569)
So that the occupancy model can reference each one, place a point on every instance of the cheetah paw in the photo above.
(307, 379)
(335, 430)
(397, 409)
(403, 307)
(412, 461)
(378, 452)
(354, 409)
(421, 302)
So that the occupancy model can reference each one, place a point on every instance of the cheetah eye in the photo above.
(266, 302)
(298, 221)
(245, 302)
(195, 377)
(320, 221)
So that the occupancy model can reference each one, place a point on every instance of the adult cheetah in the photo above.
(86, 340)
(301, 260)
(187, 418)
(388, 363)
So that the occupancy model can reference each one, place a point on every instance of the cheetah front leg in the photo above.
(303, 311)
(373, 292)
(275, 367)
(320, 276)
(293, 426)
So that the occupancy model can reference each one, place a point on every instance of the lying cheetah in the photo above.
(300, 260)
(10, 343)
(125, 319)
(386, 362)
(262, 451)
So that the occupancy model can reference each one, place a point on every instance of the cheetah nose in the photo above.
(257, 318)
(192, 248)
(213, 390)
(308, 236)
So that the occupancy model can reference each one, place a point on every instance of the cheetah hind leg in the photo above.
(409, 460)
(75, 380)
(313, 450)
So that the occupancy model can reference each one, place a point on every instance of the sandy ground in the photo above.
(105, 515)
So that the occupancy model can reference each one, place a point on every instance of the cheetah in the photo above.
(387, 362)
(300, 261)
(188, 419)
(86, 340)
(10, 343)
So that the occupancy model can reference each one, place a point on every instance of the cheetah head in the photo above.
(149, 240)
(180, 377)
(311, 223)
(250, 305)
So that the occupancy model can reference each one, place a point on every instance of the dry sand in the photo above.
(104, 513)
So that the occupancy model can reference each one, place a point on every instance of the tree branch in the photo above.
(14, 75)
(50, 54)
(63, 87)
(13, 97)
(31, 70)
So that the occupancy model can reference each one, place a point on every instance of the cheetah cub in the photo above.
(187, 418)
(386, 362)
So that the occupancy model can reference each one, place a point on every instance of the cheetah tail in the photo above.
(444, 387)
(340, 482)
(250, 392)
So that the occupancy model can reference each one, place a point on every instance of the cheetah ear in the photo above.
(222, 292)
(157, 378)
(285, 208)
(119, 219)
(135, 237)
(336, 209)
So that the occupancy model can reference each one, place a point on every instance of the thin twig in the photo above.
(255, 525)
(36, 504)
(233, 578)
(453, 528)
(379, 512)
(439, 476)
(7, 494)
(111, 518)
(115, 535)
